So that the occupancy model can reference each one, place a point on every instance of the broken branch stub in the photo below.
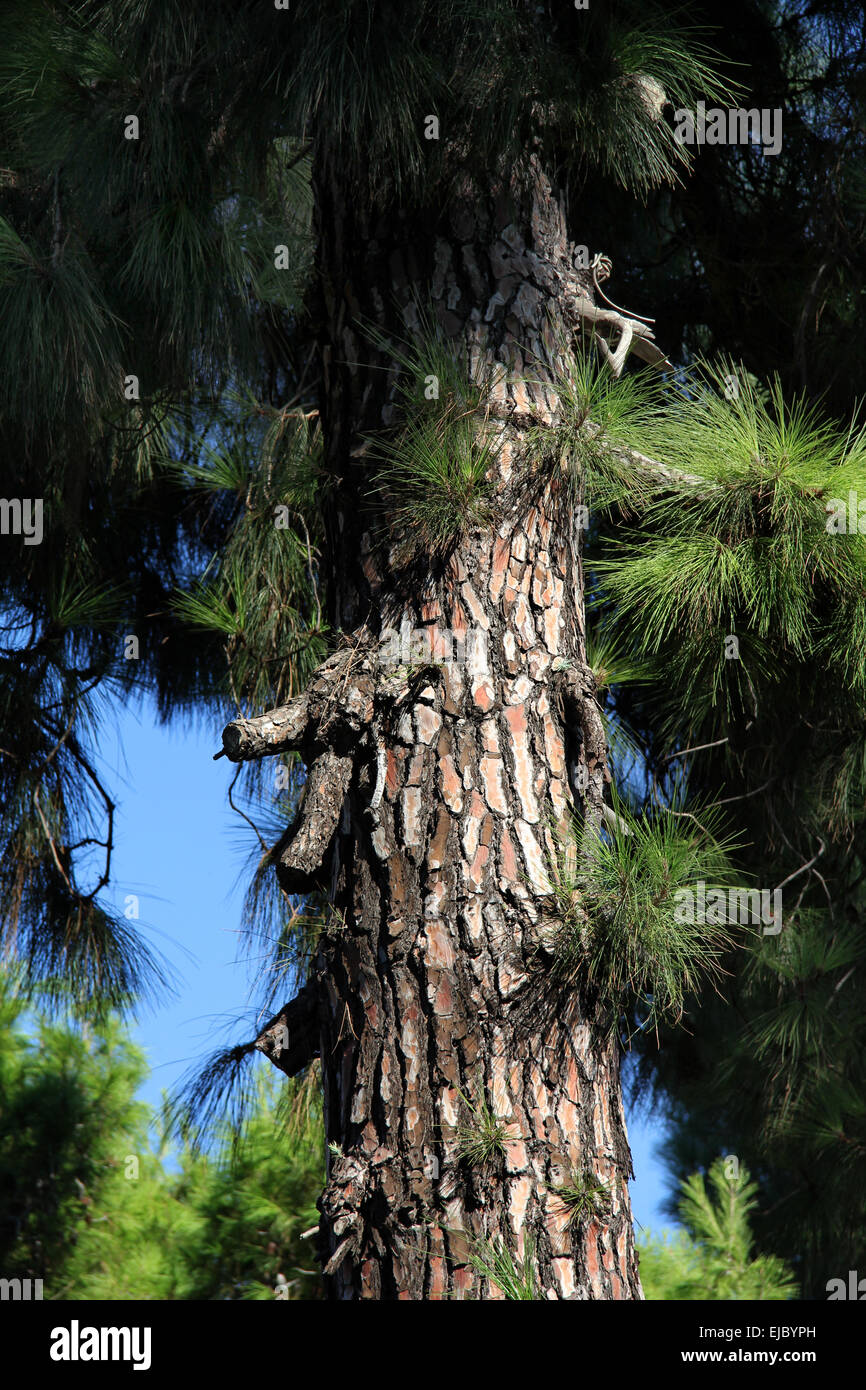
(334, 710)
(325, 725)
(301, 860)
(279, 731)
(291, 1039)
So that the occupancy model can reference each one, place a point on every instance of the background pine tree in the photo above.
(98, 1202)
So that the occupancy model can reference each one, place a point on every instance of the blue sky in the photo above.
(183, 852)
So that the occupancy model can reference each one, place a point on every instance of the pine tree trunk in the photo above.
(433, 990)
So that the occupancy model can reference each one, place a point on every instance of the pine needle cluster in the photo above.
(618, 928)
(432, 473)
(517, 1279)
(481, 1135)
(584, 1196)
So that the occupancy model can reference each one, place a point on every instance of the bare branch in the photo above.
(306, 843)
(279, 731)
(803, 867)
(336, 706)
(698, 748)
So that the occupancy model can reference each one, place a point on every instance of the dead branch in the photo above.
(302, 851)
(290, 1040)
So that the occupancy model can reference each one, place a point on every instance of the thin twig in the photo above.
(237, 810)
(51, 842)
(744, 796)
(698, 748)
(802, 869)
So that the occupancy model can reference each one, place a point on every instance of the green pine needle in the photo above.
(432, 477)
(584, 1196)
(482, 1135)
(516, 1278)
(620, 929)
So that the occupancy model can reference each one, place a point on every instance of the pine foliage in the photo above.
(712, 1256)
(619, 928)
(97, 1202)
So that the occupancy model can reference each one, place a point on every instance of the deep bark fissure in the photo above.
(435, 798)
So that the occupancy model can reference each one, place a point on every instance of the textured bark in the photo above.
(444, 792)
(291, 1038)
